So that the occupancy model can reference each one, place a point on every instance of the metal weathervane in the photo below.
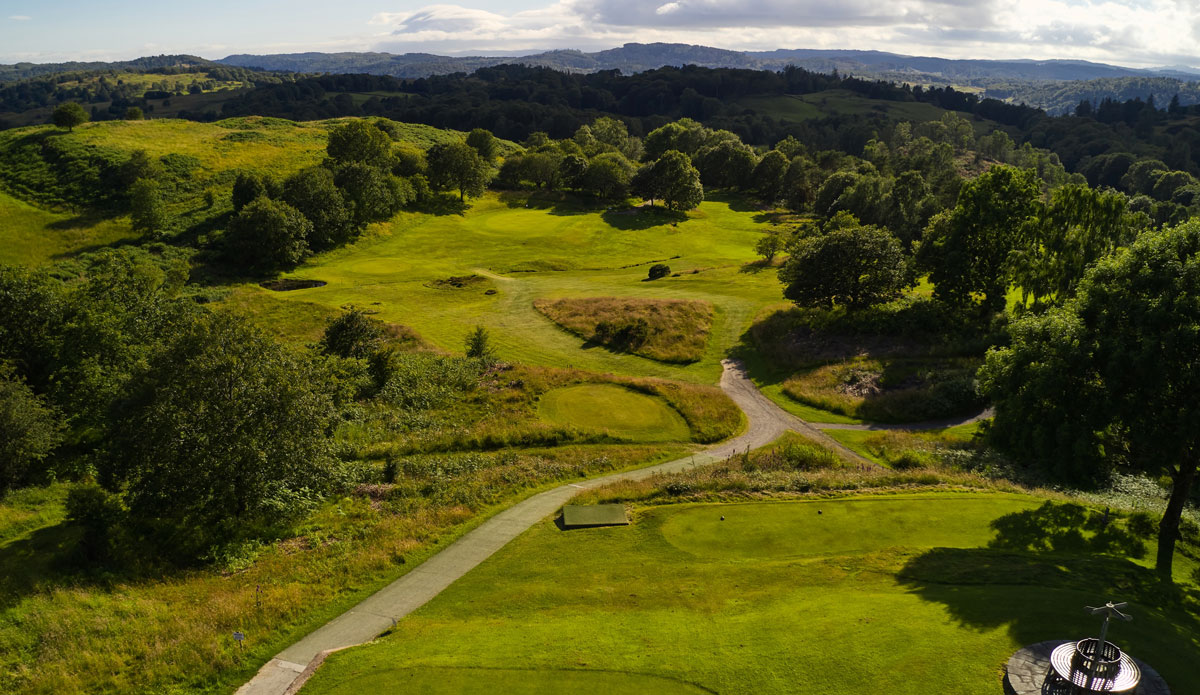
(1110, 610)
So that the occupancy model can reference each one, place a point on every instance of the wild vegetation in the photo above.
(667, 330)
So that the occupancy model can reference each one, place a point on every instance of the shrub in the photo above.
(98, 513)
(29, 430)
(658, 270)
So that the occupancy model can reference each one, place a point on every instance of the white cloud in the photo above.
(1131, 32)
(20, 17)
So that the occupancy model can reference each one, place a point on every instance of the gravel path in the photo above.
(288, 670)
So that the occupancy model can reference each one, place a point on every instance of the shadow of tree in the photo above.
(1065, 528)
(1040, 570)
(562, 203)
(443, 204)
(642, 218)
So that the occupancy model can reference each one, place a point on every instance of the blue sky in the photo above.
(1131, 32)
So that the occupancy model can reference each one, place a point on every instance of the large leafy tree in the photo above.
(1112, 376)
(361, 142)
(768, 176)
(371, 194)
(608, 176)
(457, 165)
(672, 179)
(484, 143)
(1079, 226)
(148, 212)
(968, 249)
(853, 265)
(224, 432)
(268, 235)
(313, 193)
(69, 115)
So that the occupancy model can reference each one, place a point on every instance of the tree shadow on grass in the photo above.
(560, 203)
(443, 204)
(46, 559)
(1040, 570)
(639, 218)
(756, 267)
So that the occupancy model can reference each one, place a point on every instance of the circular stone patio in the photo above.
(1027, 669)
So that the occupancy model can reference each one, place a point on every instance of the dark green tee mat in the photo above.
(585, 515)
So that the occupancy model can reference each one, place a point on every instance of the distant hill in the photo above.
(1054, 85)
(638, 57)
(21, 71)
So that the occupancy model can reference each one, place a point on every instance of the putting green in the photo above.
(614, 409)
(511, 681)
(833, 527)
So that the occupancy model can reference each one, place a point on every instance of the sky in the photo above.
(1140, 33)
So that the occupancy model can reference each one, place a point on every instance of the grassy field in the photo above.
(676, 331)
(527, 249)
(897, 594)
(33, 236)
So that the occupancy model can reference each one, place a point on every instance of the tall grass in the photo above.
(65, 630)
(668, 330)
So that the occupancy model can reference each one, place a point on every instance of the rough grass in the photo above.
(675, 330)
(903, 594)
(890, 390)
(64, 631)
(32, 236)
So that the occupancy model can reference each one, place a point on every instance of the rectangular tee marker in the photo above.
(587, 515)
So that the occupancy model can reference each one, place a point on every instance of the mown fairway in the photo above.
(544, 251)
(872, 595)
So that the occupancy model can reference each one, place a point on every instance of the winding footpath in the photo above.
(290, 668)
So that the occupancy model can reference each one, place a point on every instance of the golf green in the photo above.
(621, 412)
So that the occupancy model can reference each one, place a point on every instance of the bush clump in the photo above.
(658, 270)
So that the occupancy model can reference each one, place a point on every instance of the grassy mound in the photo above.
(772, 604)
(618, 411)
(661, 329)
(474, 681)
(890, 390)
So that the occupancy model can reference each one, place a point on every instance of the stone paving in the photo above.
(1027, 669)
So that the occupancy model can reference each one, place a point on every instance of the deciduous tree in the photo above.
(456, 165)
(853, 265)
(1112, 378)
(225, 432)
(69, 115)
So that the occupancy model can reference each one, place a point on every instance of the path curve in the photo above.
(290, 668)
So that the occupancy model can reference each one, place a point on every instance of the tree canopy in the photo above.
(69, 115)
(851, 264)
(1112, 378)
(223, 433)
(457, 165)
